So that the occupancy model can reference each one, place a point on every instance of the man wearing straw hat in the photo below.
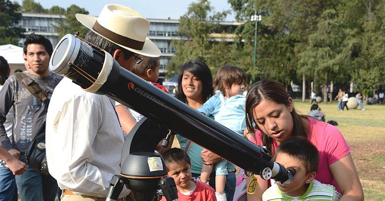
(84, 138)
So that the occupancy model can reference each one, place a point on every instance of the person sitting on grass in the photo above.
(315, 112)
(300, 156)
(179, 168)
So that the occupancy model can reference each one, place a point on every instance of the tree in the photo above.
(57, 10)
(70, 25)
(30, 6)
(282, 34)
(326, 55)
(10, 31)
(196, 42)
(365, 21)
(368, 62)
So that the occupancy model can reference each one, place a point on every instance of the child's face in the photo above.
(298, 186)
(181, 173)
(154, 75)
(235, 89)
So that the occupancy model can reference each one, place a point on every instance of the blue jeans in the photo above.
(340, 105)
(8, 189)
(230, 183)
(360, 104)
(34, 186)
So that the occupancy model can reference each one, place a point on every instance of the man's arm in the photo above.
(16, 166)
(125, 117)
(6, 102)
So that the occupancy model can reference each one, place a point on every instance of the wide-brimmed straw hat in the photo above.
(122, 26)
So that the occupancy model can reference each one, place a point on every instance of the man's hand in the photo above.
(209, 158)
(15, 153)
(17, 167)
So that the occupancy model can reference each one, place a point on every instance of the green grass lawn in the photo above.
(365, 133)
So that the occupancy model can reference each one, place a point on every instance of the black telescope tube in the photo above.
(132, 91)
(146, 99)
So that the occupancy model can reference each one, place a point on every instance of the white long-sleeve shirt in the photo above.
(84, 140)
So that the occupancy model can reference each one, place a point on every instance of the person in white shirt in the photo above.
(345, 100)
(381, 96)
(84, 138)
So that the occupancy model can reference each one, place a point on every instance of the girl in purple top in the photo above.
(271, 115)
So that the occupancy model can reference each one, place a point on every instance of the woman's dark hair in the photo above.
(38, 39)
(271, 90)
(105, 44)
(4, 70)
(229, 75)
(203, 73)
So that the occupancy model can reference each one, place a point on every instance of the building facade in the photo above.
(162, 32)
(42, 24)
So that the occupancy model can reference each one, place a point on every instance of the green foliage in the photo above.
(30, 6)
(70, 25)
(325, 40)
(10, 32)
(57, 10)
(324, 54)
(196, 41)
(367, 43)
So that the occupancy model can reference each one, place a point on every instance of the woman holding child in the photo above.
(270, 114)
(195, 87)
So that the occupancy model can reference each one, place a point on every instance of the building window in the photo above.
(159, 33)
(152, 33)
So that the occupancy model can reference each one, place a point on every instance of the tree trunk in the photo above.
(311, 88)
(315, 85)
(325, 89)
(303, 87)
(331, 91)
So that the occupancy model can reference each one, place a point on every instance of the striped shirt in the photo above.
(315, 191)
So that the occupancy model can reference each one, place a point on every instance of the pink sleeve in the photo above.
(336, 146)
(331, 146)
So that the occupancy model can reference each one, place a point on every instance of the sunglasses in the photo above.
(138, 59)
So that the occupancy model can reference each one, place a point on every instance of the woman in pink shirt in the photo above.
(270, 114)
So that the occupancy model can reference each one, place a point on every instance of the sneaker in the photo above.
(220, 197)
(363, 109)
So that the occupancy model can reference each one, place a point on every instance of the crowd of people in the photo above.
(85, 132)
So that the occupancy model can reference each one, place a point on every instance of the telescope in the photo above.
(96, 71)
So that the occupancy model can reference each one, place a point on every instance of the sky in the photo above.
(148, 8)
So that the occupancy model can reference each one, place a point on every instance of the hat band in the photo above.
(122, 40)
